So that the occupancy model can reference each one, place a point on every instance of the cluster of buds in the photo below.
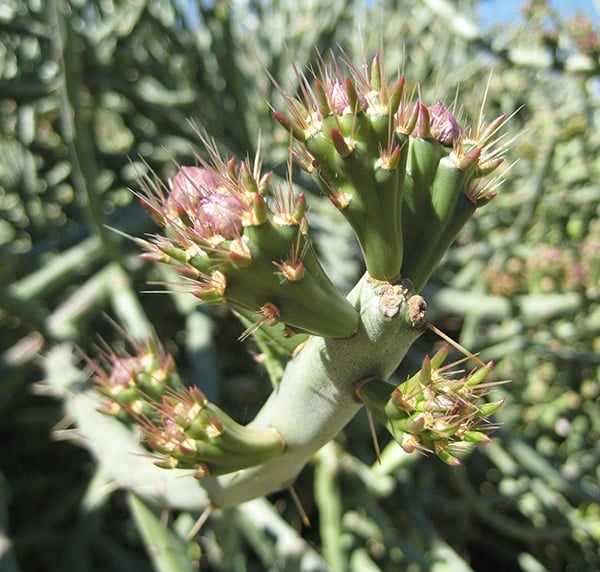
(434, 411)
(405, 175)
(244, 244)
(178, 423)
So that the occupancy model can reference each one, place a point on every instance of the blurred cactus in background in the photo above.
(389, 162)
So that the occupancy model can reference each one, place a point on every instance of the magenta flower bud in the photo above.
(219, 214)
(188, 187)
(340, 101)
(444, 126)
(338, 96)
(125, 369)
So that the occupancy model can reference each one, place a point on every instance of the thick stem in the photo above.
(313, 402)
(315, 398)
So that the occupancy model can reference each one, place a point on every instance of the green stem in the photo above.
(315, 398)
(329, 501)
(313, 403)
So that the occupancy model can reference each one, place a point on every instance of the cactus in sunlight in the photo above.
(177, 422)
(254, 276)
(434, 411)
(406, 176)
(245, 244)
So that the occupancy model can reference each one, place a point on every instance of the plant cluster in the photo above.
(95, 95)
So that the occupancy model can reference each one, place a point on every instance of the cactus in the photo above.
(406, 176)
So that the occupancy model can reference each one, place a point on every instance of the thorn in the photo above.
(340, 200)
(376, 446)
(490, 130)
(455, 344)
(200, 522)
(299, 507)
(296, 131)
(269, 315)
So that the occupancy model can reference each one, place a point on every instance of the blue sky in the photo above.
(498, 11)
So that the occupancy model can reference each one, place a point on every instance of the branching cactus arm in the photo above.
(407, 177)
(316, 397)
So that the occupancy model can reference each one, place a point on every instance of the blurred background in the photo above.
(95, 93)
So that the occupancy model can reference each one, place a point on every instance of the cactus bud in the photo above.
(179, 424)
(235, 246)
(433, 410)
(444, 126)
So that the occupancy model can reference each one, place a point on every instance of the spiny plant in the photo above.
(406, 176)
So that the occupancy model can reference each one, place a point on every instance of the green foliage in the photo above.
(95, 94)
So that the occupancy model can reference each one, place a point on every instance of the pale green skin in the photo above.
(311, 405)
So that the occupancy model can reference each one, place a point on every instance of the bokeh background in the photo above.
(95, 93)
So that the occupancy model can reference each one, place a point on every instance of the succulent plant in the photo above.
(243, 243)
(435, 410)
(406, 176)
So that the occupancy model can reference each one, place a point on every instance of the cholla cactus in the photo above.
(239, 250)
(178, 423)
(434, 411)
(406, 176)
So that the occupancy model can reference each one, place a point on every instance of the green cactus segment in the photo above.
(439, 207)
(396, 170)
(243, 244)
(434, 411)
(179, 424)
(276, 344)
(366, 186)
(359, 160)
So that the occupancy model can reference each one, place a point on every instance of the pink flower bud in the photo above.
(444, 126)
(339, 99)
(188, 187)
(220, 214)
